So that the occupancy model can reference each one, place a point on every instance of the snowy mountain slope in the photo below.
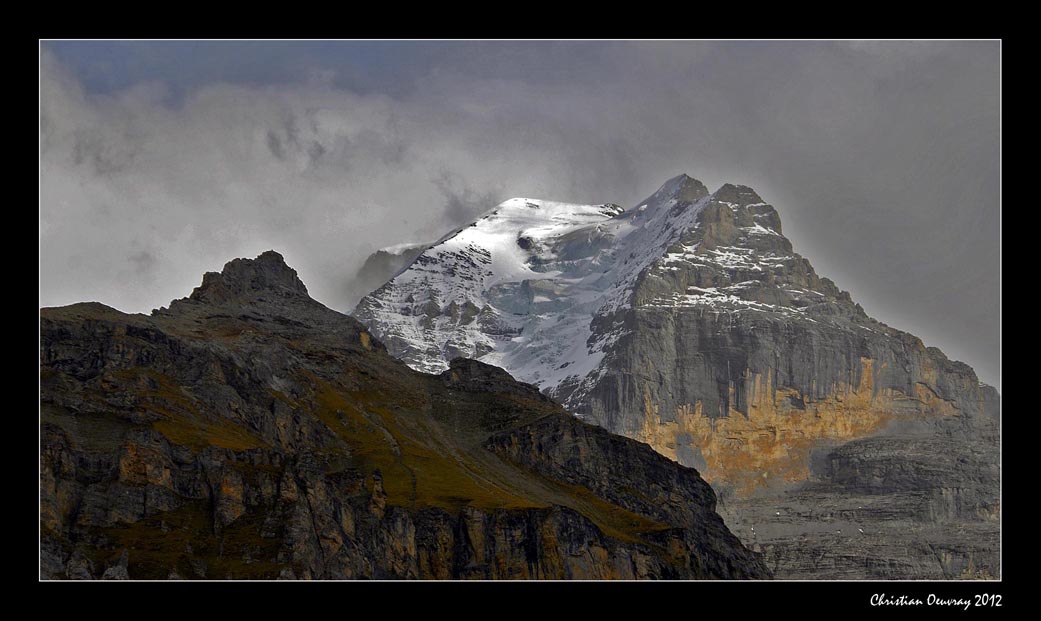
(519, 287)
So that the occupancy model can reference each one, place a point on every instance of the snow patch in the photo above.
(398, 249)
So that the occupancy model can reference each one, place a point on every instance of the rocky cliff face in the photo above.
(919, 501)
(688, 322)
(735, 356)
(250, 432)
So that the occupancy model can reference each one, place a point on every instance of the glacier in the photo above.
(531, 285)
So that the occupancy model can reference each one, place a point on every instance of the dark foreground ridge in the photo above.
(250, 432)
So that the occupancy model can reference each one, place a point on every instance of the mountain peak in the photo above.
(691, 324)
(737, 194)
(682, 188)
(242, 277)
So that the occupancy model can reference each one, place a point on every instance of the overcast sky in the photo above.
(163, 160)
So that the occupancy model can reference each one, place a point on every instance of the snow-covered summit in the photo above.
(519, 286)
(537, 286)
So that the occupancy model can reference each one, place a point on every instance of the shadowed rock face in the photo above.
(250, 432)
(242, 279)
(688, 322)
(382, 265)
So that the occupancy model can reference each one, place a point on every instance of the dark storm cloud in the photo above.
(882, 157)
(462, 203)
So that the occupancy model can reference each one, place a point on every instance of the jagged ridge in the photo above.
(250, 432)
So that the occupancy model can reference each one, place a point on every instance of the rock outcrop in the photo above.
(250, 432)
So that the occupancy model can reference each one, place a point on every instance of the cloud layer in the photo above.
(160, 162)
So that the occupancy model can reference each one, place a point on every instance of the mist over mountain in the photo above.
(159, 160)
